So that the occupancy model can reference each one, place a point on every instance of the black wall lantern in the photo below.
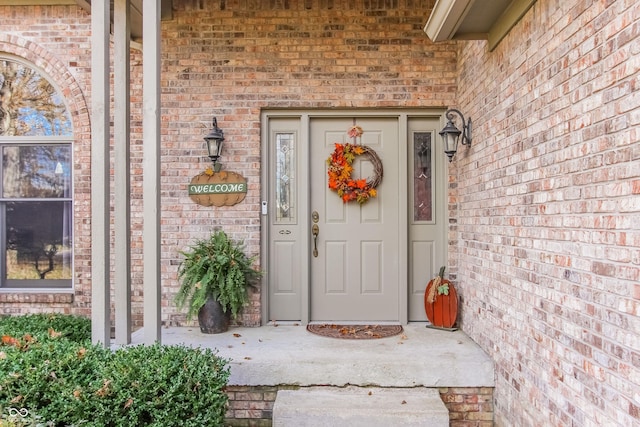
(451, 134)
(214, 144)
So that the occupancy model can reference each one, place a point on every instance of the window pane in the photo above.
(285, 178)
(422, 177)
(30, 106)
(40, 171)
(38, 245)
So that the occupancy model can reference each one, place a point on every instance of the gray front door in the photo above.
(354, 276)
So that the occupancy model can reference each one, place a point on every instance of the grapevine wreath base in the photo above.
(341, 167)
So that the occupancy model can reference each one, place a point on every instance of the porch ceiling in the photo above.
(475, 19)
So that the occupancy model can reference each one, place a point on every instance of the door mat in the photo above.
(355, 332)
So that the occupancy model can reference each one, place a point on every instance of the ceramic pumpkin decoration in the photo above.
(441, 302)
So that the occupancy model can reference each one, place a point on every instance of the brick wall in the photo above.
(231, 59)
(468, 406)
(547, 233)
(253, 406)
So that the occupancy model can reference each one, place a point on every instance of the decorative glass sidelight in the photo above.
(285, 178)
(422, 176)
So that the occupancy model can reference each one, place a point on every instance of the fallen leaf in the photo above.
(128, 403)
(404, 402)
(3, 355)
(370, 393)
(237, 335)
(247, 358)
(76, 394)
(54, 334)
(16, 399)
(9, 340)
(104, 390)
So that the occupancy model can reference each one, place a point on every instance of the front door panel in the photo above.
(355, 273)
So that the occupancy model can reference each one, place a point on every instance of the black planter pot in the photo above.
(212, 318)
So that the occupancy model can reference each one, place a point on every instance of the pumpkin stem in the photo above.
(443, 285)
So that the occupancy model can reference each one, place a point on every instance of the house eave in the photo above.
(489, 20)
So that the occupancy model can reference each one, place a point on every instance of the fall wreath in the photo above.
(341, 167)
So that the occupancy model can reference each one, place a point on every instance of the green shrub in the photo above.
(72, 383)
(161, 386)
(43, 376)
(73, 328)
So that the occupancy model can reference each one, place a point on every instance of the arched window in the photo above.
(36, 245)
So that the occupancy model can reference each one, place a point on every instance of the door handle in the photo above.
(315, 230)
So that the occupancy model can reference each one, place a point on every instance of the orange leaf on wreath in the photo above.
(340, 169)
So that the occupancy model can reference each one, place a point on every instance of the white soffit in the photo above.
(475, 19)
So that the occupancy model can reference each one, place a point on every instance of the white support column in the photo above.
(151, 169)
(122, 215)
(100, 295)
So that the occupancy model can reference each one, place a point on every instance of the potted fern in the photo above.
(214, 276)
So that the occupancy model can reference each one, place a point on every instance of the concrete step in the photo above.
(359, 407)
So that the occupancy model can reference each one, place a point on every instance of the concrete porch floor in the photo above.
(290, 355)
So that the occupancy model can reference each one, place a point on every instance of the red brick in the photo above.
(546, 204)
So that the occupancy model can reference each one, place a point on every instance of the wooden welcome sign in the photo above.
(218, 188)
